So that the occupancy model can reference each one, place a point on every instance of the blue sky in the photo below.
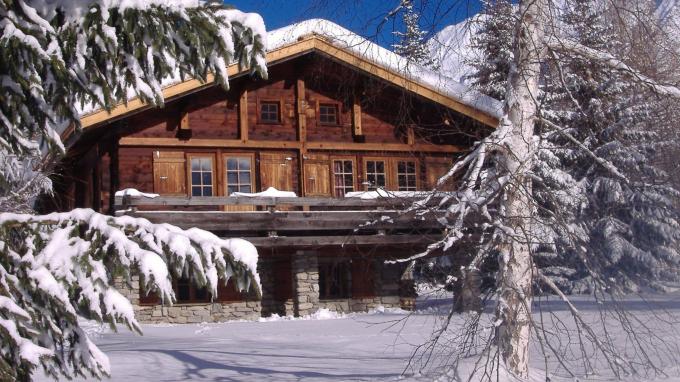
(364, 17)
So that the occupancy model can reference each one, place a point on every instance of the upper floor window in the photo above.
(201, 176)
(239, 174)
(343, 177)
(328, 114)
(376, 176)
(406, 175)
(269, 112)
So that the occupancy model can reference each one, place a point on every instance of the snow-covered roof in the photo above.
(373, 52)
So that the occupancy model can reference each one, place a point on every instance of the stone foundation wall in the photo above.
(364, 304)
(305, 268)
(304, 271)
(187, 313)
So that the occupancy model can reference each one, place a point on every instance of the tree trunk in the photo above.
(515, 272)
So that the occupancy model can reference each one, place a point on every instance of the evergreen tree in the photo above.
(624, 223)
(59, 56)
(493, 44)
(412, 44)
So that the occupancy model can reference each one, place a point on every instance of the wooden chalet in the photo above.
(335, 116)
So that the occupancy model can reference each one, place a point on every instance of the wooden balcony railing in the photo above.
(298, 222)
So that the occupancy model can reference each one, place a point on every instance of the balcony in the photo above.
(296, 222)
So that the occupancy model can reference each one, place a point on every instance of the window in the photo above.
(187, 292)
(396, 174)
(239, 174)
(406, 175)
(343, 177)
(201, 176)
(328, 114)
(375, 174)
(269, 112)
(333, 279)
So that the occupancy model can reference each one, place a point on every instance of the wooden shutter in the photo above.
(276, 170)
(363, 274)
(434, 169)
(169, 173)
(317, 175)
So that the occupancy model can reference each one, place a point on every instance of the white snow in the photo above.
(451, 48)
(328, 346)
(135, 192)
(76, 9)
(380, 193)
(270, 192)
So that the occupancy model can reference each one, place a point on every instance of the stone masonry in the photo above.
(305, 270)
(186, 313)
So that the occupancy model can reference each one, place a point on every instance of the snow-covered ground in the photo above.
(374, 346)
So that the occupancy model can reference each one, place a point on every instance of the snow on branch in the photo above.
(59, 266)
(77, 56)
(601, 161)
(607, 59)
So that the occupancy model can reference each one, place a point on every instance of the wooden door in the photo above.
(317, 175)
(363, 276)
(276, 170)
(169, 173)
(435, 168)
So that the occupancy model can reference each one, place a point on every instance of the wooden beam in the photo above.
(243, 116)
(301, 119)
(385, 147)
(184, 120)
(212, 143)
(358, 203)
(356, 117)
(236, 143)
(286, 53)
(410, 136)
(340, 240)
(301, 105)
(286, 221)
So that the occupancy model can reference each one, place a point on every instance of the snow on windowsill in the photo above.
(135, 192)
(270, 192)
(380, 193)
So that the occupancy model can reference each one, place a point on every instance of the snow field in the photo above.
(358, 347)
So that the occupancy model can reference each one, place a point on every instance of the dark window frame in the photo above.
(375, 173)
(329, 106)
(190, 175)
(237, 155)
(392, 173)
(260, 109)
(344, 187)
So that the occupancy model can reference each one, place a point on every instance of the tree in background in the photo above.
(58, 58)
(412, 42)
(493, 41)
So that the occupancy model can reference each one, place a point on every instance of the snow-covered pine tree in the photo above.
(59, 56)
(412, 44)
(575, 178)
(493, 44)
(625, 226)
